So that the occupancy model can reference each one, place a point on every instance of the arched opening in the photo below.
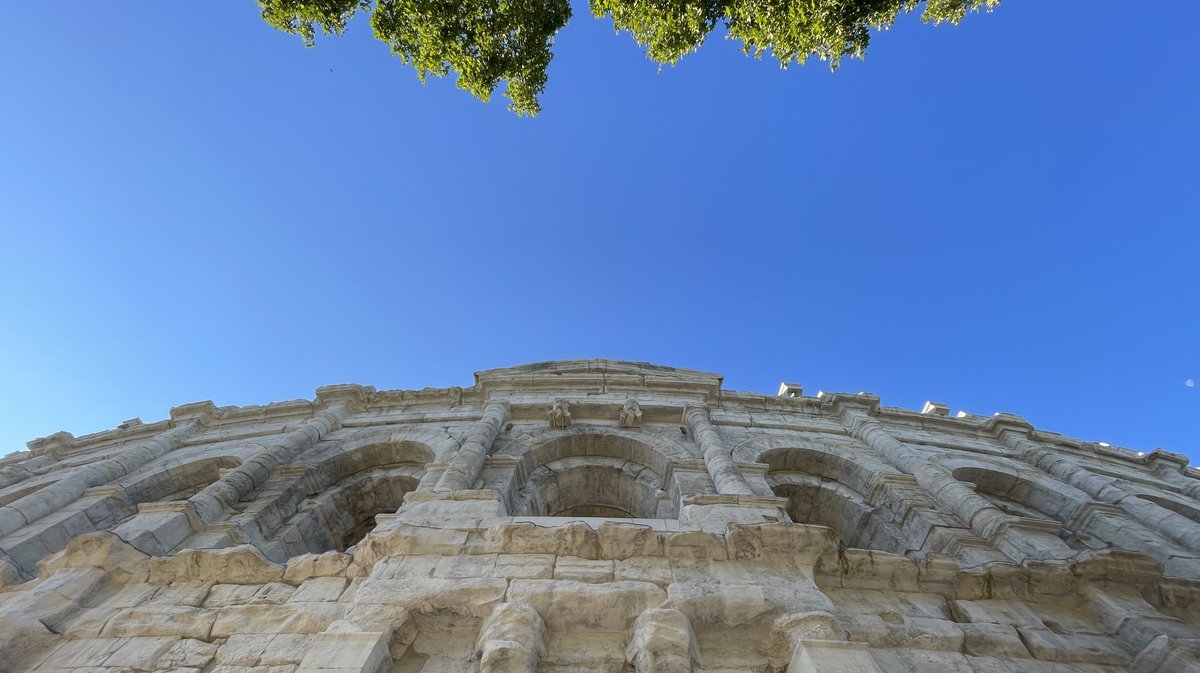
(824, 489)
(351, 505)
(1179, 508)
(597, 486)
(1015, 495)
(594, 475)
(14, 493)
(359, 484)
(179, 482)
(342, 464)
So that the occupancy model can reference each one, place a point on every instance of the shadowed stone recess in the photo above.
(594, 515)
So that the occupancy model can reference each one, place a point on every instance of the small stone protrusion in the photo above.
(662, 641)
(194, 411)
(631, 414)
(560, 414)
(351, 393)
(790, 390)
(54, 446)
(512, 640)
(935, 409)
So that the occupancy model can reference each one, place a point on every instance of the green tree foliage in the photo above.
(486, 42)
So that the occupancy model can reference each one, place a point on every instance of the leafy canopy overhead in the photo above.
(486, 42)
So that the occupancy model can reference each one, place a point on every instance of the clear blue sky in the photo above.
(1001, 216)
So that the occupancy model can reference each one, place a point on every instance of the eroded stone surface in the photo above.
(594, 516)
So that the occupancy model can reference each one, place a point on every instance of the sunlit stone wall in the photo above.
(594, 516)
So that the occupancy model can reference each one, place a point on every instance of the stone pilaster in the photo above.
(512, 640)
(212, 502)
(725, 474)
(58, 495)
(464, 468)
(1013, 536)
(1105, 489)
(662, 641)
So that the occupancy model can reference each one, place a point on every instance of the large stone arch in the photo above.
(410, 445)
(352, 480)
(594, 471)
(347, 462)
(832, 460)
(1017, 490)
(654, 450)
(1174, 503)
(828, 489)
(1084, 522)
(176, 480)
(347, 508)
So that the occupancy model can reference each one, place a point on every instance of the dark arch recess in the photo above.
(594, 474)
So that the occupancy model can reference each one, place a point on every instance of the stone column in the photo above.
(987, 520)
(212, 502)
(511, 640)
(464, 468)
(662, 641)
(820, 644)
(1175, 527)
(61, 493)
(725, 474)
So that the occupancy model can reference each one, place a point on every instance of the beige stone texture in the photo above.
(594, 515)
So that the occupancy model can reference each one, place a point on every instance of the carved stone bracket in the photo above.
(560, 414)
(631, 414)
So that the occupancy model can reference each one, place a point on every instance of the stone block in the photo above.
(406, 567)
(1074, 648)
(621, 541)
(221, 595)
(465, 566)
(357, 652)
(525, 566)
(191, 593)
(286, 618)
(288, 648)
(918, 661)
(140, 654)
(892, 630)
(473, 598)
(179, 621)
(83, 653)
(188, 653)
(243, 649)
(274, 592)
(84, 623)
(328, 564)
(570, 605)
(234, 565)
(993, 640)
(832, 656)
(319, 589)
(568, 539)
(583, 570)
(654, 569)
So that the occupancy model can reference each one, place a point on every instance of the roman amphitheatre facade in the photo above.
(594, 516)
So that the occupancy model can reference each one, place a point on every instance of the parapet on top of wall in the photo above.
(583, 377)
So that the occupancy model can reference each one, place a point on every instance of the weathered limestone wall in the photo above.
(594, 516)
